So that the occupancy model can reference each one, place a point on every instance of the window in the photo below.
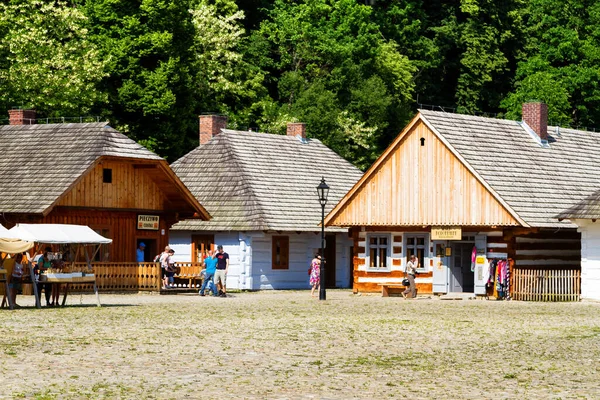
(378, 252)
(417, 245)
(107, 175)
(281, 252)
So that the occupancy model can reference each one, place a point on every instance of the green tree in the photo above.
(479, 42)
(560, 63)
(228, 82)
(326, 63)
(47, 61)
(152, 84)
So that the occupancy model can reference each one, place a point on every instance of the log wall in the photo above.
(131, 188)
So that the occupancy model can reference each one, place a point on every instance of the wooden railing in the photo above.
(531, 284)
(123, 276)
(137, 276)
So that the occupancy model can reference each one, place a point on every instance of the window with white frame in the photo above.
(417, 244)
(378, 252)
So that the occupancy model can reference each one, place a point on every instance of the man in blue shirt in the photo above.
(140, 252)
(210, 265)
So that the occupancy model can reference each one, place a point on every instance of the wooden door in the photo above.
(200, 245)
(330, 251)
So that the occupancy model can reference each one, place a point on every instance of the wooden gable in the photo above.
(129, 188)
(129, 184)
(420, 181)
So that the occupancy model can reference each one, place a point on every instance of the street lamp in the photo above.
(322, 191)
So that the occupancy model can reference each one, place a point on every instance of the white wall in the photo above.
(250, 258)
(590, 259)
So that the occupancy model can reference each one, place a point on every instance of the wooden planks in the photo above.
(422, 185)
(131, 188)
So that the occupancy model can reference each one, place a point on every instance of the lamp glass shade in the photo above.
(323, 192)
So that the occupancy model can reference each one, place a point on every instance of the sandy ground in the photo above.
(285, 345)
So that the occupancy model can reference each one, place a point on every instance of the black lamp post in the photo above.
(322, 191)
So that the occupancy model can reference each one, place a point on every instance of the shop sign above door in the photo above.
(148, 222)
(446, 233)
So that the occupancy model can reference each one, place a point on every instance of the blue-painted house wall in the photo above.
(250, 258)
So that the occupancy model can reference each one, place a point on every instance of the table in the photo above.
(89, 278)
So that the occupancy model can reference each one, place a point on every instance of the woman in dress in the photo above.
(315, 274)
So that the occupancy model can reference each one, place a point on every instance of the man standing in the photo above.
(210, 266)
(221, 272)
(141, 252)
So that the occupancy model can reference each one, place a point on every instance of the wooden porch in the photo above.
(129, 276)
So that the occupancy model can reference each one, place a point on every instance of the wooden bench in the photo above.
(191, 273)
(385, 288)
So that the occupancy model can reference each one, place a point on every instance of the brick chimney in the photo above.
(535, 115)
(21, 117)
(210, 126)
(296, 129)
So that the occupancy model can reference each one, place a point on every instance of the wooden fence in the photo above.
(137, 276)
(530, 284)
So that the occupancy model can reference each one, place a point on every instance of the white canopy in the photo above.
(12, 246)
(57, 234)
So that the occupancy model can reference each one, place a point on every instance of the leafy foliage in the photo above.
(354, 72)
(47, 61)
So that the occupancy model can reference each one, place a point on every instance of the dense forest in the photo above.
(354, 71)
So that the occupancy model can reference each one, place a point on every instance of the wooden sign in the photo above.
(446, 233)
(148, 222)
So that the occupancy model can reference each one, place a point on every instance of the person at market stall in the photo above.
(56, 287)
(141, 252)
(43, 264)
(16, 279)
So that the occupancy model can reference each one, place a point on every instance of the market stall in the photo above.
(77, 241)
(9, 246)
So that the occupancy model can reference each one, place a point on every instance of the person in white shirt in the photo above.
(409, 273)
(162, 259)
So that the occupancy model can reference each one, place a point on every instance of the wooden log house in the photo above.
(260, 190)
(90, 174)
(462, 191)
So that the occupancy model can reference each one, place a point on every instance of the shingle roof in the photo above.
(38, 163)
(536, 182)
(259, 181)
(588, 208)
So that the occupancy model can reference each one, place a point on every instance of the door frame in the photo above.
(330, 260)
(451, 264)
(201, 237)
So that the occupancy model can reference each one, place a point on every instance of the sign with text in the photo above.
(446, 233)
(148, 222)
